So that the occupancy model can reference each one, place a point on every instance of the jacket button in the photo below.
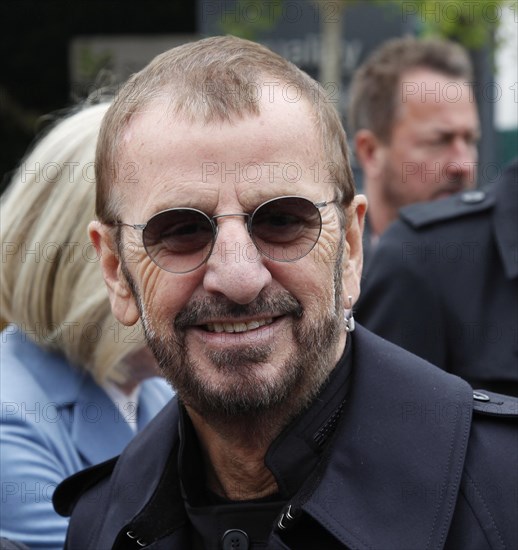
(235, 539)
(473, 197)
(479, 396)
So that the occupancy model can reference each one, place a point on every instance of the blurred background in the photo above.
(58, 52)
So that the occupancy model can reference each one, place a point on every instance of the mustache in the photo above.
(199, 311)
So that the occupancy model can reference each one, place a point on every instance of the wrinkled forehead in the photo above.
(160, 149)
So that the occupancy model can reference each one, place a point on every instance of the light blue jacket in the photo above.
(55, 420)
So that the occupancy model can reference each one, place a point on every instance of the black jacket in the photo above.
(413, 465)
(443, 283)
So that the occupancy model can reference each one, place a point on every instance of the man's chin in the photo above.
(239, 359)
(250, 393)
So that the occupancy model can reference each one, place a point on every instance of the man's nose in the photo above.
(235, 268)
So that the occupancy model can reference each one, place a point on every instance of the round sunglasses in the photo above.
(180, 240)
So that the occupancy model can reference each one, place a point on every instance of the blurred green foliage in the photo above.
(471, 22)
(255, 17)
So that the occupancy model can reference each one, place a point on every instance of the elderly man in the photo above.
(414, 118)
(237, 240)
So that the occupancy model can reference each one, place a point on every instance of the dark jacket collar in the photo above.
(393, 474)
(505, 219)
(134, 498)
(295, 452)
(395, 471)
(298, 449)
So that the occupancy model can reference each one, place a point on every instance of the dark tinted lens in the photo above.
(178, 240)
(287, 228)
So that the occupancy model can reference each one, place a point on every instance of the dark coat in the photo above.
(410, 467)
(443, 283)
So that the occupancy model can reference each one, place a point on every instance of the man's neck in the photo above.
(234, 447)
(234, 460)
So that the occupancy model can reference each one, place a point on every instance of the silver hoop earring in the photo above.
(350, 324)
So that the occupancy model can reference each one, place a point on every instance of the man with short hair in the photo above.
(414, 119)
(237, 242)
(443, 284)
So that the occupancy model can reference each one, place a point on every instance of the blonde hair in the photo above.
(216, 80)
(52, 286)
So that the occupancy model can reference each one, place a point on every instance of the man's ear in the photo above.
(369, 152)
(354, 248)
(122, 301)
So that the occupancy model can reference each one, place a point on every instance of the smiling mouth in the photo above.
(241, 326)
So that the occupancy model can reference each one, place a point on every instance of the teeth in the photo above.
(238, 327)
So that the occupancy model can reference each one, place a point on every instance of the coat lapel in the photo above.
(393, 477)
(505, 220)
(152, 453)
(98, 430)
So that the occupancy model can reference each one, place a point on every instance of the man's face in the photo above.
(241, 333)
(432, 151)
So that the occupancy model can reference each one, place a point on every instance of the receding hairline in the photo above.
(419, 74)
(128, 138)
(217, 64)
(183, 116)
(155, 105)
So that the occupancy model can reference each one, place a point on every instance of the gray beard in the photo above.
(247, 407)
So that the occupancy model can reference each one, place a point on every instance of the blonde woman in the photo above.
(75, 384)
